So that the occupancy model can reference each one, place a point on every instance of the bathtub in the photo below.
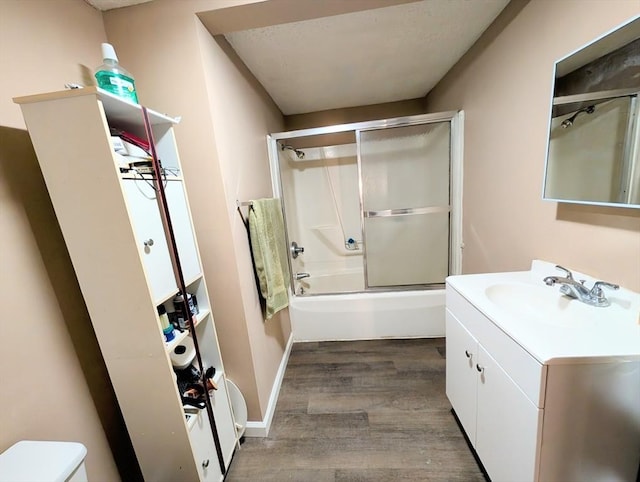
(366, 316)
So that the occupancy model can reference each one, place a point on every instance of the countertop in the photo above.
(574, 333)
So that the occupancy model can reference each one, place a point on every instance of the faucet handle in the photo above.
(597, 290)
(597, 293)
(567, 273)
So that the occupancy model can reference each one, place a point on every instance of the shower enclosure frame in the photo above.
(456, 120)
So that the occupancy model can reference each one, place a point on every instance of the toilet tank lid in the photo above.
(41, 461)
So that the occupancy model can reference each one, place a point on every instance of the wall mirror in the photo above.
(594, 132)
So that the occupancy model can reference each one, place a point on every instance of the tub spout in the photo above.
(300, 276)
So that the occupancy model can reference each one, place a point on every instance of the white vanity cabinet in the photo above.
(500, 420)
(544, 402)
(111, 225)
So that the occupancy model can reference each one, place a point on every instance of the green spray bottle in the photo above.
(113, 78)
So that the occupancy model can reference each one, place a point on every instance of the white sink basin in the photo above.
(536, 303)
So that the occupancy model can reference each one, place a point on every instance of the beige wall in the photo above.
(53, 382)
(242, 115)
(182, 70)
(504, 86)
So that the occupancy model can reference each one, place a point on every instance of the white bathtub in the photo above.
(366, 316)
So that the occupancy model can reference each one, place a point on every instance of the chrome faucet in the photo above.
(300, 276)
(574, 289)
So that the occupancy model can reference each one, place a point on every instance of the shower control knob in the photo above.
(148, 242)
(296, 250)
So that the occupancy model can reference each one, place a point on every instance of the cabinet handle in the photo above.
(467, 354)
(205, 464)
(479, 368)
(148, 242)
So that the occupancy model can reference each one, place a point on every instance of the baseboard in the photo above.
(261, 429)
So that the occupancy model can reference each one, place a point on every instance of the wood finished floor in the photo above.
(361, 411)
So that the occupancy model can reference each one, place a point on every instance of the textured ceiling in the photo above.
(361, 58)
(369, 57)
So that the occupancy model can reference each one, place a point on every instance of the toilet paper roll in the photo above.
(183, 353)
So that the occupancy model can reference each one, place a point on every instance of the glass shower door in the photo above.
(405, 186)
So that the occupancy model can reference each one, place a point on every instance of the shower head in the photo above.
(299, 154)
(568, 122)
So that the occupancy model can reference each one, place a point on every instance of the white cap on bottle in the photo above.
(108, 52)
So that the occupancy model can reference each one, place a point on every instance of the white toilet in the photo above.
(39, 461)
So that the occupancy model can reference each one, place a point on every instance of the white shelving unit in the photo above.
(113, 231)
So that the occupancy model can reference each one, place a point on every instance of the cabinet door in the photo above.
(183, 230)
(204, 450)
(147, 225)
(507, 425)
(461, 376)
